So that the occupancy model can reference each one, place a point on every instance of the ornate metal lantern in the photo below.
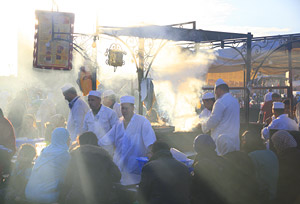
(115, 56)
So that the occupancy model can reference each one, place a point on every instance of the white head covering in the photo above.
(283, 140)
(127, 99)
(95, 93)
(208, 95)
(66, 87)
(108, 93)
(57, 150)
(278, 105)
(219, 82)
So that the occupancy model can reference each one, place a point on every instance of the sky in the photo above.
(260, 17)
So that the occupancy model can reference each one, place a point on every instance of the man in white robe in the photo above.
(208, 102)
(109, 100)
(132, 137)
(99, 119)
(281, 122)
(225, 116)
(78, 109)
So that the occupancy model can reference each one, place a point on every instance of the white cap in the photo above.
(66, 87)
(95, 93)
(278, 105)
(208, 95)
(127, 99)
(108, 93)
(219, 82)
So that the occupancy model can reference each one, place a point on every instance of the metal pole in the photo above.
(290, 90)
(140, 70)
(248, 71)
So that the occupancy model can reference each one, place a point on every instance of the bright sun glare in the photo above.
(18, 21)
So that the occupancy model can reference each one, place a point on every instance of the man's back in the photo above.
(283, 122)
(164, 180)
(76, 118)
(230, 117)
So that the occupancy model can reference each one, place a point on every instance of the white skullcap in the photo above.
(66, 87)
(95, 93)
(219, 82)
(127, 99)
(108, 93)
(208, 95)
(278, 105)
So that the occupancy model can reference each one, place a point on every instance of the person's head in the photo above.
(57, 120)
(251, 141)
(204, 144)
(69, 92)
(159, 146)
(60, 138)
(270, 90)
(278, 109)
(221, 88)
(276, 97)
(88, 138)
(283, 140)
(28, 121)
(287, 106)
(208, 100)
(109, 98)
(94, 100)
(26, 153)
(127, 106)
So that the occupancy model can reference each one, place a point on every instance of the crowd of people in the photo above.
(92, 158)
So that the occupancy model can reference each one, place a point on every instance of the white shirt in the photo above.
(268, 96)
(282, 122)
(76, 117)
(204, 115)
(130, 143)
(224, 119)
(100, 123)
(117, 109)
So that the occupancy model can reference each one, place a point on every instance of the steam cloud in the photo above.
(178, 78)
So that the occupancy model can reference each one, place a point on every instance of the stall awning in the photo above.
(170, 33)
(229, 60)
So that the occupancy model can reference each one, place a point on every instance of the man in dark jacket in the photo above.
(90, 177)
(209, 180)
(164, 179)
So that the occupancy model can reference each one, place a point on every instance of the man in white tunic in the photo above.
(99, 119)
(281, 121)
(109, 100)
(208, 102)
(132, 137)
(78, 109)
(225, 116)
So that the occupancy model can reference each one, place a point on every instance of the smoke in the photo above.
(178, 79)
(177, 74)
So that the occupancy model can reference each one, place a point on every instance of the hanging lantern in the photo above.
(115, 56)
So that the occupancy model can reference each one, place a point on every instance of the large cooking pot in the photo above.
(163, 129)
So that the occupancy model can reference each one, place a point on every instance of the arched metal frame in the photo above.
(246, 56)
(287, 41)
